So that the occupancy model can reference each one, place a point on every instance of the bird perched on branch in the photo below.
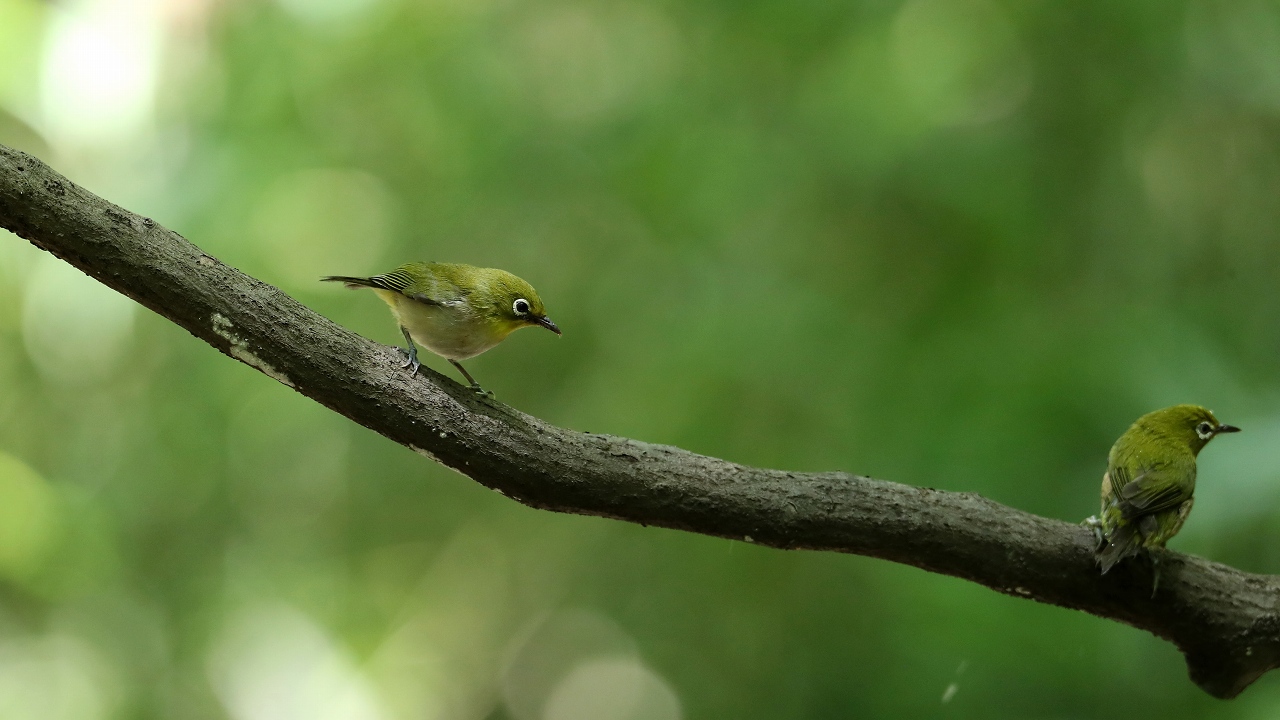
(455, 311)
(1148, 487)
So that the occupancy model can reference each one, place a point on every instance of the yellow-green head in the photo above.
(503, 299)
(1190, 425)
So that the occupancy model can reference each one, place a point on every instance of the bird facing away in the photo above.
(1150, 479)
(455, 311)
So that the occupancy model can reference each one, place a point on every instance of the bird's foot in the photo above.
(1093, 523)
(411, 353)
(410, 360)
(475, 386)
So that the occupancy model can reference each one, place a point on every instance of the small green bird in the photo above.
(1150, 479)
(455, 311)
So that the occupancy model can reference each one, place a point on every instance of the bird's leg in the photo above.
(474, 385)
(411, 355)
(1154, 553)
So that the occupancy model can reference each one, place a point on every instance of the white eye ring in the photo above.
(520, 306)
(1204, 430)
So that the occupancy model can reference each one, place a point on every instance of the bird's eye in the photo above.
(520, 306)
(1204, 430)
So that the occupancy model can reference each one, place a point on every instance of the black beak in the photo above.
(545, 322)
(1226, 428)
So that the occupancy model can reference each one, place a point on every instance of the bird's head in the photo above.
(514, 303)
(1193, 424)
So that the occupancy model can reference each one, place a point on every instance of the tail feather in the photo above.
(397, 280)
(352, 282)
(1124, 541)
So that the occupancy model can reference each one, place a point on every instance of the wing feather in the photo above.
(1155, 489)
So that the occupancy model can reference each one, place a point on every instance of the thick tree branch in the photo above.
(1225, 621)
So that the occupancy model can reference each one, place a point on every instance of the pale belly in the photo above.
(451, 332)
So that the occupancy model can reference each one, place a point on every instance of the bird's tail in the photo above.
(1123, 542)
(352, 282)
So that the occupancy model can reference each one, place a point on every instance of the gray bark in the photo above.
(1223, 620)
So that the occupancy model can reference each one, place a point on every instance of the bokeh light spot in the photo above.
(274, 663)
(589, 65)
(77, 331)
(99, 72)
(612, 688)
(28, 517)
(961, 62)
(54, 678)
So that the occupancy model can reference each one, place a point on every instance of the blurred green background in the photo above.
(954, 243)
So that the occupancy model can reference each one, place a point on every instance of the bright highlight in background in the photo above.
(612, 688)
(273, 663)
(580, 665)
(99, 72)
(55, 678)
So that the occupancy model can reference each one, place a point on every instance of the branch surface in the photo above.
(1224, 620)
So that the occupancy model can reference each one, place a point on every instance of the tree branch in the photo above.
(1223, 620)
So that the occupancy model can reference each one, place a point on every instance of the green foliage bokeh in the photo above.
(953, 243)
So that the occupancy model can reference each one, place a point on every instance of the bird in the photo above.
(456, 311)
(1148, 488)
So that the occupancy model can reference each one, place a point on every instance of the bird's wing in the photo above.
(1153, 489)
(397, 280)
(429, 287)
(444, 294)
(424, 298)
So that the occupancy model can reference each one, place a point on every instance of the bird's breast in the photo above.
(451, 331)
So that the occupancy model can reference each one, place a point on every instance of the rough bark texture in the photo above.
(1225, 621)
